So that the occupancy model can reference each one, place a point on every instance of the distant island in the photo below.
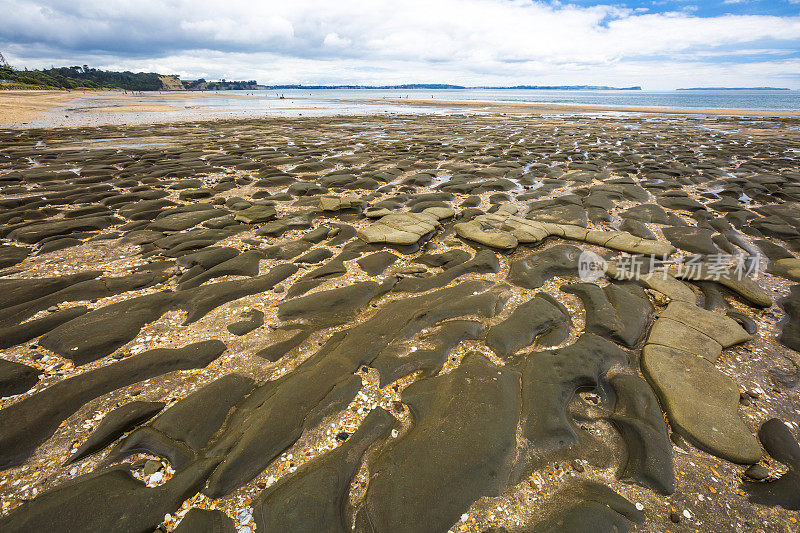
(734, 89)
(568, 87)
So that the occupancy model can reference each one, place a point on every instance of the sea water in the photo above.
(772, 100)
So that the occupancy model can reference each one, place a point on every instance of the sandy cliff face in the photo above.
(171, 83)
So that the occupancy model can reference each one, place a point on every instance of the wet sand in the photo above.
(18, 107)
(61, 109)
(31, 108)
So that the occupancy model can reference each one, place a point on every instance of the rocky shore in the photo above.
(386, 323)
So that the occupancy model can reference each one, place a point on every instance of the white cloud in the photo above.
(254, 31)
(384, 41)
(333, 40)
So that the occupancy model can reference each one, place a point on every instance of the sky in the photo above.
(658, 44)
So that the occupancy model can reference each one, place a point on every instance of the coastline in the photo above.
(34, 108)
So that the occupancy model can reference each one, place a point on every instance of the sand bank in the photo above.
(578, 108)
(90, 108)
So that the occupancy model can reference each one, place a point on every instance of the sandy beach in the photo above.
(378, 320)
(18, 106)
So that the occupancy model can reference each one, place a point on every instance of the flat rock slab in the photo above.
(111, 500)
(565, 213)
(724, 330)
(283, 340)
(12, 255)
(620, 312)
(738, 282)
(586, 506)
(204, 521)
(36, 232)
(244, 264)
(85, 290)
(278, 227)
(375, 264)
(530, 231)
(399, 228)
(691, 239)
(486, 235)
(788, 268)
(333, 306)
(459, 449)
(398, 361)
(182, 431)
(638, 417)
(256, 214)
(28, 423)
(98, 333)
(314, 497)
(677, 335)
(662, 282)
(337, 203)
(184, 220)
(535, 317)
(19, 291)
(314, 256)
(701, 403)
(484, 261)
(16, 378)
(252, 319)
(783, 447)
(531, 272)
(114, 424)
(551, 378)
(790, 334)
(651, 213)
